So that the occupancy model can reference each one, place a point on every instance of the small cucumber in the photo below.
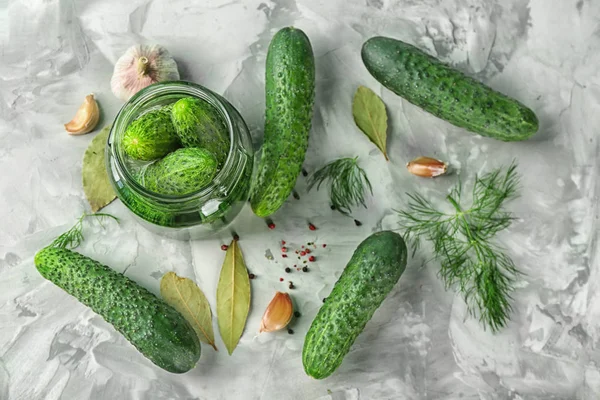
(445, 92)
(158, 331)
(150, 136)
(290, 84)
(370, 275)
(198, 124)
(182, 172)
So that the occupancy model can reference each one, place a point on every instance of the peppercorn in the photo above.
(251, 276)
(296, 314)
(291, 285)
(305, 269)
(224, 247)
(291, 331)
(288, 270)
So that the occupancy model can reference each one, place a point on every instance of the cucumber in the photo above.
(445, 92)
(198, 124)
(182, 172)
(290, 84)
(158, 331)
(370, 275)
(150, 136)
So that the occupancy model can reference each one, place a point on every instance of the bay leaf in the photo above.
(370, 116)
(96, 186)
(233, 297)
(186, 297)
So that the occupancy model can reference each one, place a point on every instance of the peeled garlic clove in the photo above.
(427, 167)
(141, 66)
(86, 119)
(278, 314)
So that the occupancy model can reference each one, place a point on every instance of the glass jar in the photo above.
(195, 215)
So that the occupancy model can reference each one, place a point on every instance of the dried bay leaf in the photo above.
(186, 297)
(96, 186)
(233, 297)
(370, 116)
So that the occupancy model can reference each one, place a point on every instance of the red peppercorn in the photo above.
(324, 245)
(312, 227)
(280, 279)
(284, 249)
(307, 251)
(284, 255)
(283, 242)
(303, 253)
(311, 258)
(271, 225)
(224, 247)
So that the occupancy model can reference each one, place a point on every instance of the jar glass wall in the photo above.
(196, 215)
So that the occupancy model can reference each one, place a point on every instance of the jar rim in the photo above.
(170, 87)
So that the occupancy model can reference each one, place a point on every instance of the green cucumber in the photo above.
(370, 275)
(182, 172)
(290, 84)
(445, 92)
(158, 331)
(150, 136)
(199, 124)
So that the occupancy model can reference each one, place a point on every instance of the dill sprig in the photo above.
(347, 183)
(74, 236)
(463, 243)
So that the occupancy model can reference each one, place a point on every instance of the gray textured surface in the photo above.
(419, 345)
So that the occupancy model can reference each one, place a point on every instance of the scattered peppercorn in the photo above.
(236, 237)
(280, 279)
(271, 225)
(307, 251)
(297, 314)
(296, 195)
(291, 331)
(224, 247)
(283, 242)
(305, 269)
(291, 285)
(284, 255)
(357, 222)
(251, 276)
(303, 253)
(312, 227)
(332, 207)
(304, 172)
(284, 249)
(288, 270)
(311, 258)
(324, 245)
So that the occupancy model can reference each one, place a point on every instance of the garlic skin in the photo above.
(86, 118)
(427, 167)
(141, 66)
(278, 314)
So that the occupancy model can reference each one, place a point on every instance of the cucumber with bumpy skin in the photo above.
(375, 267)
(198, 124)
(182, 172)
(445, 92)
(150, 136)
(290, 84)
(156, 329)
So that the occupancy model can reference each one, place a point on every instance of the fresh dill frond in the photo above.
(74, 236)
(347, 183)
(463, 243)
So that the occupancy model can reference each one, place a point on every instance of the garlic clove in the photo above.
(278, 314)
(141, 66)
(427, 167)
(86, 118)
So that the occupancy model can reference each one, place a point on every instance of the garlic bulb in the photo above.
(86, 118)
(141, 66)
